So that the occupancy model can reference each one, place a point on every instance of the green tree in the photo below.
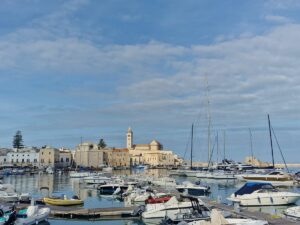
(18, 140)
(101, 144)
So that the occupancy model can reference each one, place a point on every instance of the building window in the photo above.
(42, 153)
(23, 160)
(49, 160)
(4, 160)
(42, 160)
(28, 160)
(67, 159)
(49, 153)
(62, 160)
(17, 160)
(35, 160)
(12, 161)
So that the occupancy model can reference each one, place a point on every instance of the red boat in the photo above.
(154, 200)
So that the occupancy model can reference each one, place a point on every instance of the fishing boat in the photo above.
(193, 189)
(262, 194)
(63, 201)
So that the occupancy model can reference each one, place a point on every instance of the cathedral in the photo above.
(150, 154)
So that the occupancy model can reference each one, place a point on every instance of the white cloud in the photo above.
(278, 19)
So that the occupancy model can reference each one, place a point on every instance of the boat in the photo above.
(107, 169)
(164, 181)
(96, 180)
(193, 189)
(262, 194)
(141, 167)
(109, 189)
(75, 174)
(63, 201)
(29, 216)
(277, 178)
(49, 170)
(293, 212)
(8, 197)
(216, 218)
(171, 207)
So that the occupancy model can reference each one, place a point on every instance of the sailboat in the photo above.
(277, 178)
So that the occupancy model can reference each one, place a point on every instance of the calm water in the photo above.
(62, 184)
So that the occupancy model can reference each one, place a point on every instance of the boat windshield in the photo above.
(250, 187)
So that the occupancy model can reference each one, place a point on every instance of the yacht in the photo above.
(262, 194)
(193, 189)
(275, 177)
(169, 208)
(110, 189)
(164, 181)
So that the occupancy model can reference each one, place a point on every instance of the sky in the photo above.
(88, 69)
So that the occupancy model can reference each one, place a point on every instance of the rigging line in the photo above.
(212, 152)
(187, 145)
(280, 150)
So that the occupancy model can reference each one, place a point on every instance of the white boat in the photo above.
(96, 180)
(216, 218)
(8, 197)
(107, 169)
(192, 189)
(49, 170)
(75, 174)
(293, 212)
(262, 194)
(274, 177)
(164, 181)
(30, 216)
(169, 208)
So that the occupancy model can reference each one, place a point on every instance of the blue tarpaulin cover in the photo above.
(250, 187)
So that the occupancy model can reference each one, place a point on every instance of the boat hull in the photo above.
(63, 202)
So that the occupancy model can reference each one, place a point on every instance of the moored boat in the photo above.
(262, 194)
(63, 201)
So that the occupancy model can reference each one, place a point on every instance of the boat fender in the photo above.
(258, 198)
(271, 199)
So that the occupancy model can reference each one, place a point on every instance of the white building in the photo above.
(23, 157)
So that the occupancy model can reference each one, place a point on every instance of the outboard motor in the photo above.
(75, 197)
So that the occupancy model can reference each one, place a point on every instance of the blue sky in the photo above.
(91, 69)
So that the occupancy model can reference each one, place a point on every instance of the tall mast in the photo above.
(271, 140)
(209, 125)
(217, 147)
(224, 144)
(251, 147)
(192, 137)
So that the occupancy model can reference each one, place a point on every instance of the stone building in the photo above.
(65, 158)
(49, 157)
(88, 155)
(117, 157)
(151, 154)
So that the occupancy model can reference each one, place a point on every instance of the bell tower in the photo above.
(129, 138)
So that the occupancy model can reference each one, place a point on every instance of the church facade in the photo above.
(151, 154)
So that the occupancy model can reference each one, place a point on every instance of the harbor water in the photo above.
(59, 184)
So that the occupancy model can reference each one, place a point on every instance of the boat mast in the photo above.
(224, 145)
(251, 147)
(271, 140)
(192, 137)
(209, 126)
(217, 147)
